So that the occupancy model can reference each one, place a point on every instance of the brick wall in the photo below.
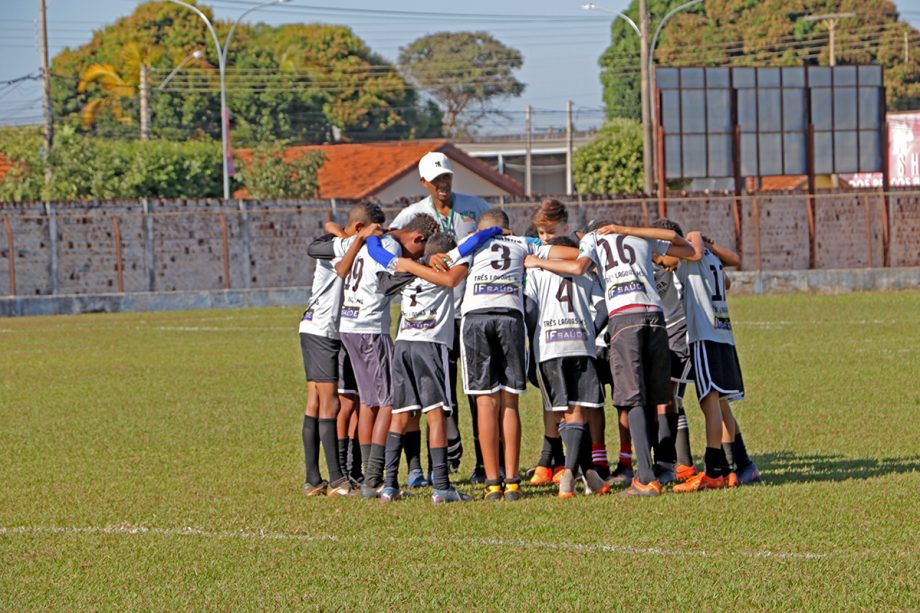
(179, 244)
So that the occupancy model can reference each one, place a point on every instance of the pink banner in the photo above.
(903, 154)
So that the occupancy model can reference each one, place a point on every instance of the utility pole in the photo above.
(644, 98)
(831, 19)
(145, 102)
(569, 148)
(46, 90)
(528, 156)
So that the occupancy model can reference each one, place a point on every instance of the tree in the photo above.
(762, 33)
(464, 72)
(612, 162)
(271, 173)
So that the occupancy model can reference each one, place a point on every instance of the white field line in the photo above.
(827, 322)
(264, 535)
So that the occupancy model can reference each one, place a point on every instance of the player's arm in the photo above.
(679, 247)
(330, 227)
(728, 257)
(469, 245)
(322, 248)
(601, 317)
(452, 277)
(575, 267)
(389, 284)
(343, 266)
(561, 252)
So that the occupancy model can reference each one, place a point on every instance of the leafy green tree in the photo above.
(271, 172)
(612, 162)
(464, 72)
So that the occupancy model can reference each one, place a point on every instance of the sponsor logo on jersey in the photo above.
(350, 312)
(307, 315)
(418, 324)
(495, 288)
(630, 287)
(722, 323)
(561, 335)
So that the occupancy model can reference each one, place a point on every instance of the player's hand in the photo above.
(707, 240)
(610, 229)
(333, 228)
(369, 230)
(532, 261)
(440, 262)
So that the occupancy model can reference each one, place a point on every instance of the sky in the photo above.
(560, 41)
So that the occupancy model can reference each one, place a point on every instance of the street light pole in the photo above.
(195, 55)
(651, 53)
(221, 67)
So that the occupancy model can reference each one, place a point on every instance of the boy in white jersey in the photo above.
(320, 346)
(420, 375)
(457, 214)
(492, 345)
(715, 362)
(560, 318)
(638, 337)
(365, 331)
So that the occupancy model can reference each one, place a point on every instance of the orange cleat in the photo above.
(542, 475)
(684, 472)
(732, 480)
(567, 484)
(557, 473)
(700, 481)
(637, 488)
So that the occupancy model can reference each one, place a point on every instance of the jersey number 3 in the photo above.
(505, 262)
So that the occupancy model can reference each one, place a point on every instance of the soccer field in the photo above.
(154, 461)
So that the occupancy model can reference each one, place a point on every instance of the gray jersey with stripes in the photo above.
(496, 277)
(427, 312)
(321, 316)
(566, 323)
(364, 307)
(705, 302)
(625, 263)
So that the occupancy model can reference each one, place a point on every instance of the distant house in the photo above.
(387, 172)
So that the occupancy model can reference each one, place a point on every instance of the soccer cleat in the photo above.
(594, 485)
(541, 476)
(684, 472)
(528, 474)
(557, 473)
(700, 481)
(749, 475)
(368, 491)
(666, 477)
(623, 475)
(342, 488)
(637, 489)
(314, 490)
(513, 491)
(451, 494)
(389, 494)
(479, 475)
(417, 478)
(731, 480)
(567, 484)
(493, 493)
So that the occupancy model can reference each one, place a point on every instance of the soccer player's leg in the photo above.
(745, 471)
(314, 350)
(597, 425)
(399, 422)
(508, 343)
(313, 483)
(551, 455)
(481, 381)
(583, 390)
(412, 445)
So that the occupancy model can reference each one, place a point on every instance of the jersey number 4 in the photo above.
(626, 252)
(564, 294)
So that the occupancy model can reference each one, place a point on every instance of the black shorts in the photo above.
(570, 381)
(371, 359)
(639, 360)
(347, 383)
(420, 377)
(717, 368)
(320, 357)
(602, 357)
(493, 354)
(681, 368)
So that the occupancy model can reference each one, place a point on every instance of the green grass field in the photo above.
(154, 461)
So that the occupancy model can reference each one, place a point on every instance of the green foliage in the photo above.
(464, 72)
(100, 169)
(612, 162)
(269, 173)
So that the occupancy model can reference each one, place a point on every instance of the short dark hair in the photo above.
(551, 211)
(366, 212)
(423, 224)
(594, 224)
(440, 242)
(495, 217)
(666, 224)
(562, 241)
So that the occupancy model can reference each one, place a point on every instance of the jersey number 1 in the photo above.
(626, 252)
(717, 277)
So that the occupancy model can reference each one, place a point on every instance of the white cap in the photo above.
(434, 164)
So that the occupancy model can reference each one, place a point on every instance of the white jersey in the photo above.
(496, 277)
(321, 316)
(427, 312)
(462, 222)
(364, 308)
(705, 303)
(566, 323)
(625, 263)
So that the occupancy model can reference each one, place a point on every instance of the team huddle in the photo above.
(642, 311)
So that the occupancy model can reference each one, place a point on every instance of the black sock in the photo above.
(513, 481)
(373, 474)
(640, 418)
(355, 469)
(572, 435)
(327, 438)
(342, 445)
(393, 451)
(728, 457)
(311, 450)
(476, 446)
(501, 455)
(665, 453)
(682, 442)
(585, 461)
(741, 455)
(546, 453)
(491, 482)
(454, 450)
(412, 444)
(439, 468)
(713, 459)
(365, 457)
(557, 451)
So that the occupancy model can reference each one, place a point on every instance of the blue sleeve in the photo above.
(378, 252)
(475, 241)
